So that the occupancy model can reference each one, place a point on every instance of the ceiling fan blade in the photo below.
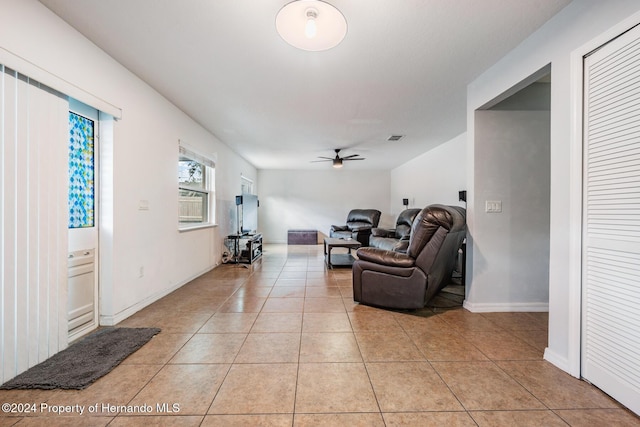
(316, 161)
(328, 158)
(361, 158)
(353, 155)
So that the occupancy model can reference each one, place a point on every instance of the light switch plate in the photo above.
(493, 206)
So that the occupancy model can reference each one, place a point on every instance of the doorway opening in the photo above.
(511, 204)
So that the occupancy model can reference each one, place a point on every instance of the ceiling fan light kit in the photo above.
(337, 160)
(311, 25)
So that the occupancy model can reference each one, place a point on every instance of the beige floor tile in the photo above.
(334, 420)
(62, 421)
(555, 388)
(287, 292)
(281, 342)
(159, 350)
(116, 388)
(427, 323)
(221, 323)
(157, 421)
(323, 305)
(239, 304)
(251, 290)
(484, 386)
(536, 339)
(270, 348)
(437, 345)
(283, 305)
(290, 282)
(265, 389)
(503, 345)
(326, 322)
(387, 347)
(599, 417)
(373, 320)
(517, 418)
(334, 387)
(192, 387)
(183, 322)
(278, 322)
(346, 292)
(464, 321)
(323, 292)
(408, 387)
(329, 347)
(210, 348)
(519, 321)
(262, 420)
(428, 419)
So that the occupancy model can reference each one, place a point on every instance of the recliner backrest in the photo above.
(425, 225)
(404, 222)
(361, 217)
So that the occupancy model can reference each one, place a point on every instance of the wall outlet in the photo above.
(141, 272)
(493, 206)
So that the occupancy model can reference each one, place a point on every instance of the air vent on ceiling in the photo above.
(395, 137)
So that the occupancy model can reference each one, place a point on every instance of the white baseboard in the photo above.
(506, 307)
(112, 320)
(559, 361)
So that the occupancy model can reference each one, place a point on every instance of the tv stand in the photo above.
(247, 248)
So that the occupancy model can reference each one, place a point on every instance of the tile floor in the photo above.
(283, 344)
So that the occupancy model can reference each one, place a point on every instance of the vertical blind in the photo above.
(33, 222)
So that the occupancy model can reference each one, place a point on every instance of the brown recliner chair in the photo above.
(359, 225)
(396, 239)
(409, 280)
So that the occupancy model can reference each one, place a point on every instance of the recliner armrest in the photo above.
(382, 232)
(360, 228)
(339, 228)
(389, 258)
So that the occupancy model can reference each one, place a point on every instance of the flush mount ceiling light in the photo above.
(311, 25)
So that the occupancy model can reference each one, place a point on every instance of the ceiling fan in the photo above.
(337, 161)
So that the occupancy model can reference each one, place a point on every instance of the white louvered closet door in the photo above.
(611, 220)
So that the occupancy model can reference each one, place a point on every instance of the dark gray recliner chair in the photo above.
(396, 239)
(359, 225)
(409, 280)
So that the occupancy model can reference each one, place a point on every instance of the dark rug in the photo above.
(85, 361)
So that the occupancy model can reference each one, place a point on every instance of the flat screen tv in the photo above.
(249, 208)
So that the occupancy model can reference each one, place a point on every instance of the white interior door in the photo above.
(83, 220)
(611, 220)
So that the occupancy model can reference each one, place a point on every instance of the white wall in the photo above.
(510, 267)
(560, 42)
(294, 199)
(142, 158)
(433, 177)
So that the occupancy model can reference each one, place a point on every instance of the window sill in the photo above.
(185, 228)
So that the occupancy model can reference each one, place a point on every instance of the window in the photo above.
(196, 195)
(81, 172)
(246, 185)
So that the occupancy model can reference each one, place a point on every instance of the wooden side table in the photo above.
(339, 260)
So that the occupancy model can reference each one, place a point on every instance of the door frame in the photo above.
(94, 114)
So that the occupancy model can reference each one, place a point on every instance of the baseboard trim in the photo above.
(559, 361)
(505, 307)
(112, 320)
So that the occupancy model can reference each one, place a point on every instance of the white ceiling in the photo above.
(403, 68)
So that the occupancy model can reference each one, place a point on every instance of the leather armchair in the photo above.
(396, 239)
(359, 225)
(409, 280)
